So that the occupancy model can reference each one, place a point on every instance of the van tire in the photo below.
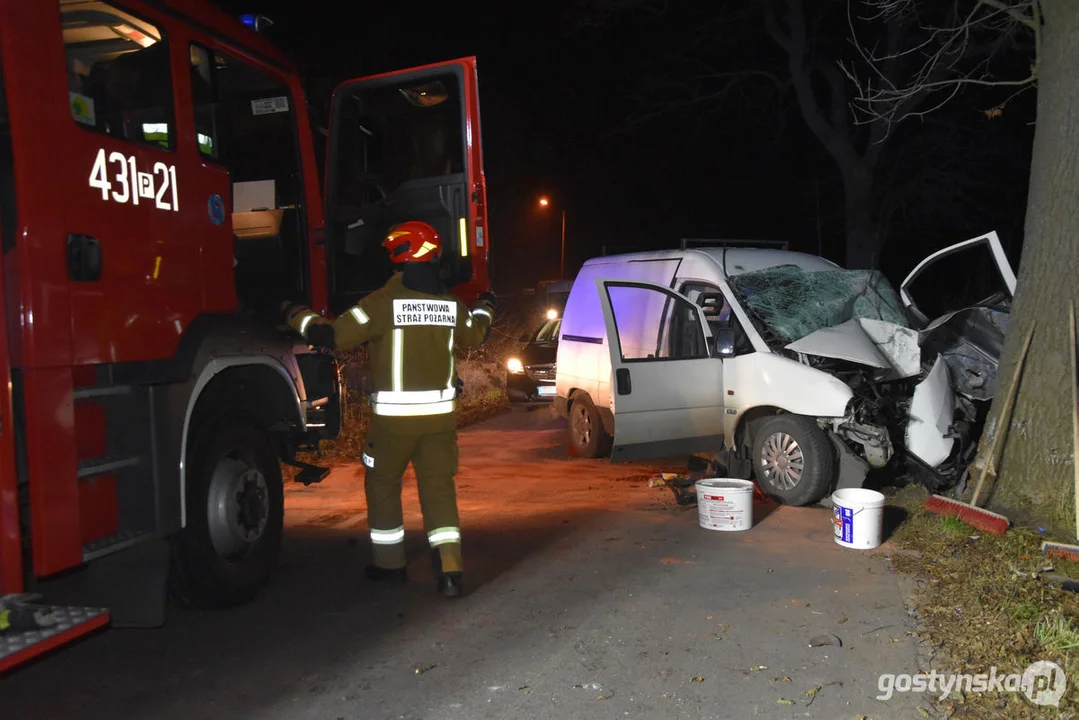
(586, 432)
(776, 461)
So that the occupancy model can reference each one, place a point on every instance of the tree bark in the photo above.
(831, 123)
(862, 225)
(1035, 475)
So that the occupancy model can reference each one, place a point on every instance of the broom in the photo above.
(1060, 550)
(971, 514)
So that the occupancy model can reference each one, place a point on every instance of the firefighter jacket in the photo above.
(411, 338)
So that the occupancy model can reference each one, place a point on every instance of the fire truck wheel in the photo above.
(235, 507)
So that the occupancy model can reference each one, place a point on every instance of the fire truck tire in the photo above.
(235, 510)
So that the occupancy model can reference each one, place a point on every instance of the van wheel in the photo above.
(792, 460)
(586, 431)
(235, 511)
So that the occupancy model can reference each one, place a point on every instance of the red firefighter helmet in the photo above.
(413, 241)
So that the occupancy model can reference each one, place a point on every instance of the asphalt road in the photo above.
(590, 595)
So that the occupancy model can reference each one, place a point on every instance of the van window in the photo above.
(245, 119)
(652, 324)
(118, 73)
(718, 313)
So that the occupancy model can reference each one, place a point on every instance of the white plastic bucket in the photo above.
(724, 504)
(857, 514)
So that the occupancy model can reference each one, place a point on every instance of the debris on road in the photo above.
(825, 639)
(681, 485)
(1062, 581)
(420, 670)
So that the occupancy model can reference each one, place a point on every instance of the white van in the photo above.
(783, 364)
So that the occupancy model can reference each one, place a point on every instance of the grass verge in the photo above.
(984, 601)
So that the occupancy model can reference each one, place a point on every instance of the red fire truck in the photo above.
(159, 200)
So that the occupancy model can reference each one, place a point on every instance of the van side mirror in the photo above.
(724, 343)
(524, 338)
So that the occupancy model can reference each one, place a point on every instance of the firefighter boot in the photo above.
(449, 583)
(386, 575)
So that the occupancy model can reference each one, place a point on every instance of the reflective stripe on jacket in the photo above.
(411, 336)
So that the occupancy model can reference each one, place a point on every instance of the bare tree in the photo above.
(1035, 474)
(949, 46)
(826, 111)
(816, 61)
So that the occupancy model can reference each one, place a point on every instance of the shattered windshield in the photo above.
(794, 303)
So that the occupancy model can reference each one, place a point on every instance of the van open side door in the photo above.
(667, 390)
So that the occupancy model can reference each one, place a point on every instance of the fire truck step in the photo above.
(113, 543)
(100, 466)
(99, 392)
(17, 647)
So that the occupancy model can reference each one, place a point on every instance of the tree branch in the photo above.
(833, 132)
(951, 59)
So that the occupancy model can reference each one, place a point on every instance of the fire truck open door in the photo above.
(405, 146)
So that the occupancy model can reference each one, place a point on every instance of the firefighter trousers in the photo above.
(387, 453)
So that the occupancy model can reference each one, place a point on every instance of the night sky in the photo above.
(560, 99)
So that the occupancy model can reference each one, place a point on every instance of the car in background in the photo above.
(530, 373)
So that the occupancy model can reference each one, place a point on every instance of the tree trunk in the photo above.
(1035, 475)
(863, 228)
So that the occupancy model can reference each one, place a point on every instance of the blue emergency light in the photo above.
(258, 23)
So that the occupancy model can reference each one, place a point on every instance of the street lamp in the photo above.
(544, 203)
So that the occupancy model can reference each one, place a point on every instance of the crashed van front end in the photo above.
(920, 389)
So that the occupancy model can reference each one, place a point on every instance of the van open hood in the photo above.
(876, 343)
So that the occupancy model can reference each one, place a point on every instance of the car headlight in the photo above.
(552, 314)
(515, 366)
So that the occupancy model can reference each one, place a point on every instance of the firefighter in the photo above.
(412, 325)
